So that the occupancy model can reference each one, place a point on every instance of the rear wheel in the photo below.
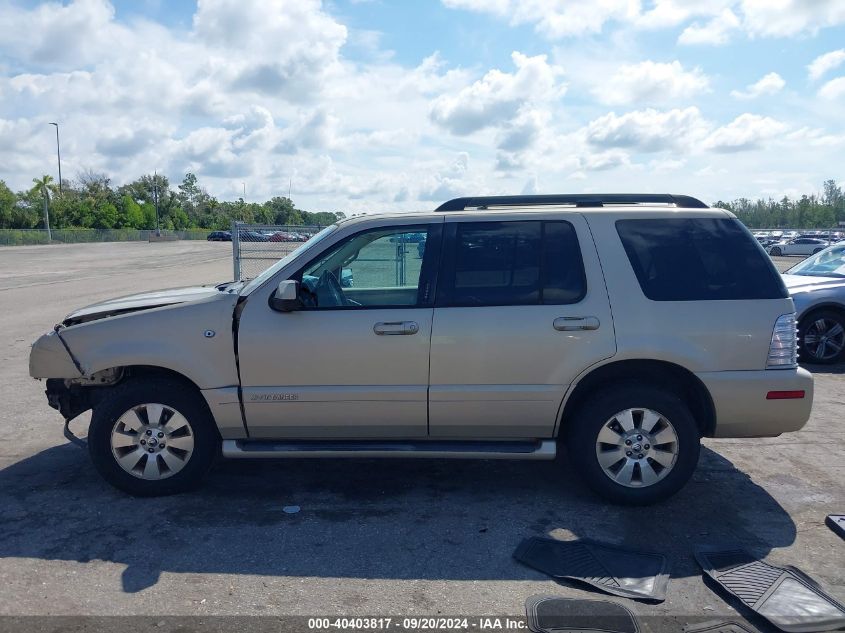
(152, 436)
(821, 337)
(634, 444)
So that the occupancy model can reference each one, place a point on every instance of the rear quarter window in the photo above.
(700, 259)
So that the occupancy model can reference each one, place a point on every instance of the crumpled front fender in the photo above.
(49, 358)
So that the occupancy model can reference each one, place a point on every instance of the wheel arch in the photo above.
(663, 373)
(825, 305)
(72, 399)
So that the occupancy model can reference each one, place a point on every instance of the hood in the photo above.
(805, 283)
(144, 301)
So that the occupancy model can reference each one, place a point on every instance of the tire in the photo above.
(601, 409)
(775, 252)
(191, 448)
(810, 330)
(818, 250)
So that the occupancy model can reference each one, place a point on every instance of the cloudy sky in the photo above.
(401, 104)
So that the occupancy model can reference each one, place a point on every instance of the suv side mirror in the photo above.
(286, 297)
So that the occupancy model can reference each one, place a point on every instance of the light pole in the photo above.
(155, 199)
(59, 154)
(244, 184)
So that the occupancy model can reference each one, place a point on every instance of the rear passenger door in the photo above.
(521, 309)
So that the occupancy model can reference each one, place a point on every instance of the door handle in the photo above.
(568, 324)
(396, 328)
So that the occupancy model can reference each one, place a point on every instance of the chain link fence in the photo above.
(256, 247)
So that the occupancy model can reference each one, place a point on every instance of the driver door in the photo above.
(352, 363)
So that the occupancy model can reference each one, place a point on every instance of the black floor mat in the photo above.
(785, 596)
(729, 626)
(614, 570)
(836, 522)
(552, 614)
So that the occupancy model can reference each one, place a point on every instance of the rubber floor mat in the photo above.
(836, 522)
(719, 627)
(785, 596)
(553, 614)
(614, 570)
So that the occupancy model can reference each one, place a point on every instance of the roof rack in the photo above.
(577, 200)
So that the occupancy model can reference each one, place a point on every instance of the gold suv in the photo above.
(623, 327)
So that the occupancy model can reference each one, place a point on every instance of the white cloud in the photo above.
(451, 181)
(716, 31)
(786, 18)
(833, 89)
(769, 84)
(498, 97)
(670, 13)
(555, 19)
(651, 82)
(59, 36)
(824, 63)
(746, 132)
(647, 130)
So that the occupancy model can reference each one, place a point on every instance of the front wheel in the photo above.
(152, 436)
(634, 444)
(775, 252)
(821, 337)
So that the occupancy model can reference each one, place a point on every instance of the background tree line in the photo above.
(807, 212)
(91, 202)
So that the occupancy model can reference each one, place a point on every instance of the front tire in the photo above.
(775, 252)
(821, 337)
(152, 436)
(634, 444)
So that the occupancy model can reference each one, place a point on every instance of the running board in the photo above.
(251, 449)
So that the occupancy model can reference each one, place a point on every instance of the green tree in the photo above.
(44, 186)
(8, 201)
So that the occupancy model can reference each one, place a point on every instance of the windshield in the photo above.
(827, 263)
(284, 261)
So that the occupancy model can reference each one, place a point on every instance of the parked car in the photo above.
(622, 327)
(219, 236)
(817, 286)
(281, 236)
(797, 246)
(253, 236)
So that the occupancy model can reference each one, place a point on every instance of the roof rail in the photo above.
(577, 199)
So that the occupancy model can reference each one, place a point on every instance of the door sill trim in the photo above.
(432, 449)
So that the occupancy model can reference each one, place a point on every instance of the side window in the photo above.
(511, 263)
(701, 259)
(376, 268)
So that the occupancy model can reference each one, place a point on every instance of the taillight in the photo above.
(783, 350)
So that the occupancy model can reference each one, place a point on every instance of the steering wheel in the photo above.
(329, 292)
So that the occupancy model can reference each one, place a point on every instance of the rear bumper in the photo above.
(742, 410)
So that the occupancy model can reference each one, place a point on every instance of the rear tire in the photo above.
(603, 444)
(153, 436)
(812, 329)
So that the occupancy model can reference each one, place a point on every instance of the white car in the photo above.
(798, 246)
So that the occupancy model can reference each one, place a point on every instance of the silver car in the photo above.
(817, 286)
(622, 327)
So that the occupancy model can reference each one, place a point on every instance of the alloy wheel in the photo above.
(824, 338)
(637, 447)
(152, 441)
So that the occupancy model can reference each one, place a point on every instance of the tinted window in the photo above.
(698, 259)
(512, 263)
